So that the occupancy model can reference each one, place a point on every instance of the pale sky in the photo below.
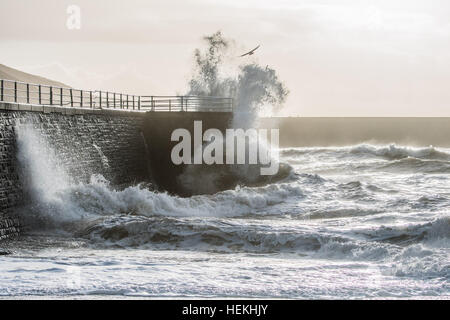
(337, 57)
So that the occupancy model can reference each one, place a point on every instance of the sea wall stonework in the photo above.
(108, 144)
(10, 189)
(124, 147)
(9, 227)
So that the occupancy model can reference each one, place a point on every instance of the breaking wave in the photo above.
(390, 152)
(398, 152)
(253, 87)
(305, 214)
(58, 198)
(391, 158)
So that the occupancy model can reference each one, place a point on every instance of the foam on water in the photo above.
(359, 234)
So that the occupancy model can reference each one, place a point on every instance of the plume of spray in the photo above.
(252, 87)
(43, 177)
(207, 80)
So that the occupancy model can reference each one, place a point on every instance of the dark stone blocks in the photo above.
(85, 144)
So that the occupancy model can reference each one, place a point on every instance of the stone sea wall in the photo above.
(10, 189)
(124, 147)
(106, 143)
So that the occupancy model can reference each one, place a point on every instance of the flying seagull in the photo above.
(250, 52)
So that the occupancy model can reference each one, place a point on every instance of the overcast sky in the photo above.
(337, 57)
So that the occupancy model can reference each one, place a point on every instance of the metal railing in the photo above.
(45, 95)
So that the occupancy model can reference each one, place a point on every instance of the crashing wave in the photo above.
(390, 152)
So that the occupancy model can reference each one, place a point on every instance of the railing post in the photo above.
(121, 101)
(114, 98)
(71, 98)
(133, 102)
(181, 103)
(107, 99)
(81, 98)
(51, 95)
(152, 104)
(90, 100)
(40, 98)
(127, 102)
(1, 90)
(61, 96)
(139, 102)
(100, 99)
(15, 91)
(28, 93)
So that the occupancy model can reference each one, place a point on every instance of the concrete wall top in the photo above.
(69, 110)
(110, 112)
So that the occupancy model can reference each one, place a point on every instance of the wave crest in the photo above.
(390, 152)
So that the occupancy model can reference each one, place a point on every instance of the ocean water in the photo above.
(354, 222)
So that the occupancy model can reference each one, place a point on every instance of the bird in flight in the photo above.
(250, 52)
